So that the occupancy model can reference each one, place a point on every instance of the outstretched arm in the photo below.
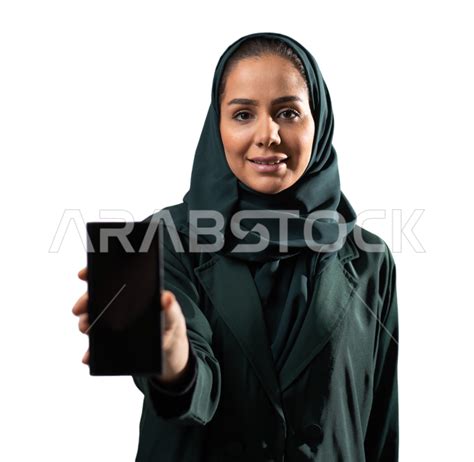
(195, 397)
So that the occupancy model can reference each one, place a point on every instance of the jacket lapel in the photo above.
(330, 300)
(231, 288)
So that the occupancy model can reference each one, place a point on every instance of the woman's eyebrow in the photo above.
(253, 102)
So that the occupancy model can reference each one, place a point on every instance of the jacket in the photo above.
(335, 399)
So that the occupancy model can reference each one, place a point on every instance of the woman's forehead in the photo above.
(269, 75)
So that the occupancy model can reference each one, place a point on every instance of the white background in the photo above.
(101, 107)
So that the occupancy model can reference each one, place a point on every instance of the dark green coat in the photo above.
(336, 396)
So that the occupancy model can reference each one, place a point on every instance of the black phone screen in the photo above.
(125, 280)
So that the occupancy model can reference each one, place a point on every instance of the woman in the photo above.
(284, 348)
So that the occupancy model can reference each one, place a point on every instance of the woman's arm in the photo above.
(382, 436)
(196, 397)
(184, 382)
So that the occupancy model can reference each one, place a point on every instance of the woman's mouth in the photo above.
(268, 164)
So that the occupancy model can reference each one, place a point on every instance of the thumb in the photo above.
(171, 309)
(167, 300)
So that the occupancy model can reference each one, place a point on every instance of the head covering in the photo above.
(215, 187)
(284, 279)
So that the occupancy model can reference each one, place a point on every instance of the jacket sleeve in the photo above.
(195, 399)
(382, 436)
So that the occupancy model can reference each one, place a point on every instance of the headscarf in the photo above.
(284, 279)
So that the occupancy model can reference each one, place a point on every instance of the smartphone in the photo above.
(125, 281)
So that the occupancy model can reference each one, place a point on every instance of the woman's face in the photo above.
(266, 117)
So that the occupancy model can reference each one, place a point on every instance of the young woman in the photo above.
(281, 335)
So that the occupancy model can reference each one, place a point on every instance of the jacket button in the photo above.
(312, 434)
(267, 453)
(234, 448)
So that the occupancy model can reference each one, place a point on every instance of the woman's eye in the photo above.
(244, 115)
(289, 111)
(240, 114)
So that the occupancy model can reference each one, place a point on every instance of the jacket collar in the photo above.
(231, 288)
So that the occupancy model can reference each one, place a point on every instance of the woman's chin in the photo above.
(267, 185)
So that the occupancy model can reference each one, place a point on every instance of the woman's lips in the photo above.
(267, 164)
(265, 159)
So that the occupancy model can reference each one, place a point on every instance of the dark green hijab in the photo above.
(284, 279)
(214, 186)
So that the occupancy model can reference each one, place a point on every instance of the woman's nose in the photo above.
(267, 132)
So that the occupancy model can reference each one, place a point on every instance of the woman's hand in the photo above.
(175, 342)
(175, 339)
(80, 309)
